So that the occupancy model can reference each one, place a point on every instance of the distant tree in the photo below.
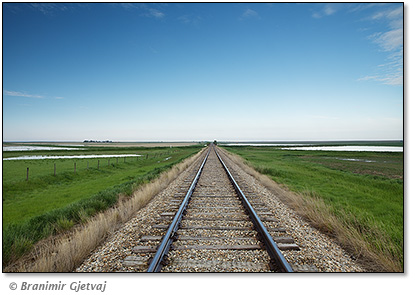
(215, 142)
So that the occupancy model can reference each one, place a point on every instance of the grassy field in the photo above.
(363, 190)
(47, 204)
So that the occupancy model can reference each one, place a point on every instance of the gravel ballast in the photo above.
(317, 252)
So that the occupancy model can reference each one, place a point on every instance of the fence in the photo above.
(95, 163)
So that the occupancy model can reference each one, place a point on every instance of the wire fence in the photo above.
(82, 164)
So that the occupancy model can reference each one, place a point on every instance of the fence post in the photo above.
(27, 174)
(74, 167)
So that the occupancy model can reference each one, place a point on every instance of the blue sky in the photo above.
(246, 71)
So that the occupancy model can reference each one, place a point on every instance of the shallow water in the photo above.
(70, 157)
(350, 148)
(266, 144)
(357, 160)
(35, 148)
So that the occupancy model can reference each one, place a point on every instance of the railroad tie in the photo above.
(227, 228)
(243, 228)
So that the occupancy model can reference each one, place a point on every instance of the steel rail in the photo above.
(270, 245)
(165, 244)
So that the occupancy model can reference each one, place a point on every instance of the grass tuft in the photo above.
(63, 224)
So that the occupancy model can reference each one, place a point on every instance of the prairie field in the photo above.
(361, 191)
(49, 202)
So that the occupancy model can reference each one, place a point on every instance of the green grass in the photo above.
(367, 195)
(47, 204)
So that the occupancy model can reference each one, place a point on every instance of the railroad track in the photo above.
(214, 224)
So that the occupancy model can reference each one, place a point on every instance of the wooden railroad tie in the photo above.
(283, 243)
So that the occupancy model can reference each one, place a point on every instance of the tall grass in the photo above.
(65, 252)
(19, 238)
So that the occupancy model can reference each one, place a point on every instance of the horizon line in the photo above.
(175, 141)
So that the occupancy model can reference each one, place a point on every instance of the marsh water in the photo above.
(70, 157)
(348, 148)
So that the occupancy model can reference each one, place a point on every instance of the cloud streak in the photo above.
(391, 41)
(155, 13)
(21, 94)
(327, 10)
(145, 9)
(190, 19)
(390, 73)
(50, 8)
(250, 14)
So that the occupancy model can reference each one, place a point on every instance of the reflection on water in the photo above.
(266, 144)
(22, 148)
(350, 148)
(70, 157)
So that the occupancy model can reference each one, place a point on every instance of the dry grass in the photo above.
(65, 252)
(313, 209)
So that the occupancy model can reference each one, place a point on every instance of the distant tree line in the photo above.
(98, 141)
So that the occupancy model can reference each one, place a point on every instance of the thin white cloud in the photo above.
(393, 38)
(388, 13)
(316, 15)
(395, 79)
(145, 9)
(21, 94)
(391, 72)
(391, 41)
(156, 13)
(361, 7)
(127, 6)
(189, 19)
(50, 8)
(327, 10)
(249, 14)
